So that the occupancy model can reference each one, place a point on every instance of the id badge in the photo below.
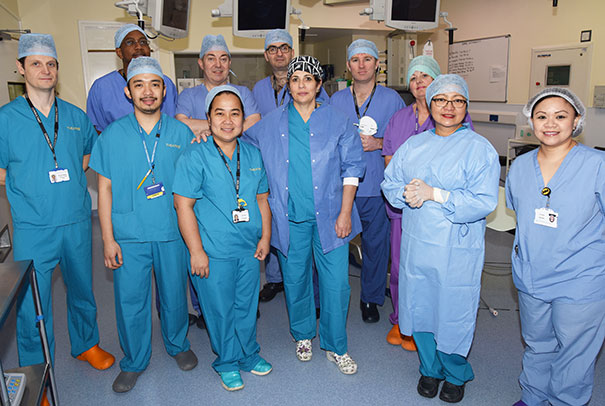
(155, 190)
(240, 215)
(546, 217)
(58, 175)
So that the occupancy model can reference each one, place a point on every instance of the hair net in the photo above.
(426, 64)
(220, 89)
(144, 64)
(37, 44)
(213, 43)
(277, 36)
(305, 63)
(558, 92)
(445, 84)
(362, 46)
(123, 31)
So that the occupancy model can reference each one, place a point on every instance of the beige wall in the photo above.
(531, 23)
(6, 20)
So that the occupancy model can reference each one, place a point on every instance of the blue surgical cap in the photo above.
(144, 64)
(219, 89)
(445, 84)
(563, 93)
(124, 31)
(213, 43)
(37, 44)
(425, 64)
(278, 36)
(362, 46)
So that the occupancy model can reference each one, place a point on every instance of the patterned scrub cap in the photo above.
(305, 63)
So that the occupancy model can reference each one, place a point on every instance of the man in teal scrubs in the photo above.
(45, 146)
(135, 158)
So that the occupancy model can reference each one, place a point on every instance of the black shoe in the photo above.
(200, 322)
(451, 393)
(317, 312)
(192, 319)
(369, 312)
(428, 386)
(269, 291)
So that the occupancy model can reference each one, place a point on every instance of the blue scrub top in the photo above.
(264, 94)
(566, 263)
(24, 153)
(107, 101)
(201, 174)
(442, 245)
(192, 102)
(119, 155)
(383, 105)
(336, 153)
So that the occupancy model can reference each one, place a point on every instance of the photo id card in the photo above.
(155, 190)
(546, 217)
(240, 215)
(58, 175)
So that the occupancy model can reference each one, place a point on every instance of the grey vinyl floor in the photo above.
(387, 374)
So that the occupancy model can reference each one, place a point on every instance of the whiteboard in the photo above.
(483, 63)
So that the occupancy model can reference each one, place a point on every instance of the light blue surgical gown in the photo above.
(442, 245)
(51, 221)
(560, 275)
(107, 101)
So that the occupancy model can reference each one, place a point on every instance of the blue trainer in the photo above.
(231, 380)
(262, 368)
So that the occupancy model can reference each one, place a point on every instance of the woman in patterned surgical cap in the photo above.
(313, 159)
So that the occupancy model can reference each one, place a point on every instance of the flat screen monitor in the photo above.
(170, 17)
(254, 18)
(412, 15)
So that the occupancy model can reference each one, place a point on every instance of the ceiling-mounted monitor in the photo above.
(170, 17)
(412, 15)
(254, 18)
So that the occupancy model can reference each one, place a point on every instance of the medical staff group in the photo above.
(200, 187)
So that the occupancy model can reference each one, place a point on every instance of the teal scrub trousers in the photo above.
(70, 246)
(454, 368)
(132, 289)
(229, 298)
(334, 289)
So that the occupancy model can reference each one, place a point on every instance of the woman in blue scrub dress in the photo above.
(220, 193)
(442, 242)
(313, 157)
(558, 194)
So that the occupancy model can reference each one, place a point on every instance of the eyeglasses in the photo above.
(131, 42)
(457, 103)
(283, 48)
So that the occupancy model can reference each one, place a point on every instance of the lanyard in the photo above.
(416, 113)
(237, 172)
(367, 105)
(46, 137)
(151, 161)
(276, 92)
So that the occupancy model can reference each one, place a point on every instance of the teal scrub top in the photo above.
(119, 155)
(301, 206)
(201, 174)
(27, 158)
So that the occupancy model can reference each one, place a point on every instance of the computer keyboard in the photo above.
(15, 383)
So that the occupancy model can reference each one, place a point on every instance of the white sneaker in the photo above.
(304, 350)
(345, 363)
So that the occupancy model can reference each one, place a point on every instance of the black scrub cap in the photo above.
(566, 94)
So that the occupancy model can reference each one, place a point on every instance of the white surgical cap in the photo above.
(144, 64)
(37, 44)
(566, 94)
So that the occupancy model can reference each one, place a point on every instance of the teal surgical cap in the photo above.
(144, 64)
(213, 43)
(425, 64)
(278, 36)
(445, 84)
(37, 44)
(362, 46)
(124, 31)
(221, 89)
